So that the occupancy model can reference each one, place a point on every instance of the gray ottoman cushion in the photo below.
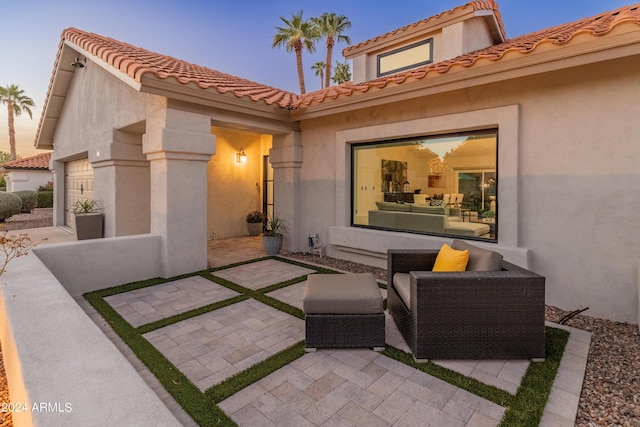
(342, 294)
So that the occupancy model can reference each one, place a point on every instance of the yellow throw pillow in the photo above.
(449, 259)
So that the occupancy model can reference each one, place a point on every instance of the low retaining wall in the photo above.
(61, 369)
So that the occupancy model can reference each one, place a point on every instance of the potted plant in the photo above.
(273, 235)
(255, 221)
(489, 216)
(88, 219)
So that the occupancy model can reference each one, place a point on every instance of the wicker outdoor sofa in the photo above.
(469, 314)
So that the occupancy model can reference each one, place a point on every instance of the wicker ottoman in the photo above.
(343, 311)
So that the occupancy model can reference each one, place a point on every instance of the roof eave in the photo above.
(619, 45)
(211, 97)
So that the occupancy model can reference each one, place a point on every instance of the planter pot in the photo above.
(272, 244)
(88, 226)
(255, 228)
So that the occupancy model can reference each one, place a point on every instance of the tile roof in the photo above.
(474, 5)
(40, 161)
(597, 25)
(137, 62)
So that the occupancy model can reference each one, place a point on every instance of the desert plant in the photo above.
(275, 226)
(255, 217)
(13, 246)
(29, 200)
(86, 206)
(45, 199)
(10, 204)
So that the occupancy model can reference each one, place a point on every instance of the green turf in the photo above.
(523, 409)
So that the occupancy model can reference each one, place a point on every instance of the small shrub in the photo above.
(10, 204)
(47, 187)
(45, 199)
(29, 200)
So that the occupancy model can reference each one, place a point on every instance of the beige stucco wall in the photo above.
(575, 156)
(234, 189)
(96, 106)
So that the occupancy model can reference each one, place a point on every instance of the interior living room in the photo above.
(438, 184)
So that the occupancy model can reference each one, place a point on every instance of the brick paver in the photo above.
(261, 274)
(168, 299)
(212, 347)
(356, 387)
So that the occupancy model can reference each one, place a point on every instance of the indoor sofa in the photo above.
(430, 219)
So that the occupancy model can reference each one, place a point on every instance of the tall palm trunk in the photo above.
(298, 50)
(12, 130)
(327, 74)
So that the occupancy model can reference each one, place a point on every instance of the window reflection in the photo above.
(444, 185)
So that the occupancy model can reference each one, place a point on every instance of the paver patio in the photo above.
(329, 387)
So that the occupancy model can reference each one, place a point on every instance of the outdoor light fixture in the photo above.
(241, 157)
(79, 62)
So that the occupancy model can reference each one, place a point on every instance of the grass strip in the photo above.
(531, 398)
(152, 326)
(525, 408)
(199, 406)
(234, 384)
(472, 385)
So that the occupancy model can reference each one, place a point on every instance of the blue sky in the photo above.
(230, 36)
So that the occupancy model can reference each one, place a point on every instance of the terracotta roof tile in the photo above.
(474, 5)
(136, 62)
(41, 161)
(596, 26)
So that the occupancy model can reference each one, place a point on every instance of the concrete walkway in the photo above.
(329, 387)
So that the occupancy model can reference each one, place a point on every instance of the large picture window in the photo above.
(442, 185)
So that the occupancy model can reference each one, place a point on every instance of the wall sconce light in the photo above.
(79, 62)
(241, 157)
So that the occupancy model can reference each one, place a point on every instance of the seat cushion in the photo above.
(356, 293)
(479, 259)
(402, 283)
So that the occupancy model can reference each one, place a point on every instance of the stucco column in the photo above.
(286, 159)
(178, 145)
(121, 178)
(57, 169)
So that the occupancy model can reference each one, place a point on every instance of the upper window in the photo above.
(406, 57)
(443, 185)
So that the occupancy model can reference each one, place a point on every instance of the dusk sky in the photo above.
(234, 37)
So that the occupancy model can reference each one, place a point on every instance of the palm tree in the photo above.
(294, 36)
(342, 73)
(17, 103)
(319, 67)
(332, 27)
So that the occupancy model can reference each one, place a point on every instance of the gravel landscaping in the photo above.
(611, 389)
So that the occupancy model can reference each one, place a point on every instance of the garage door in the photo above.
(78, 185)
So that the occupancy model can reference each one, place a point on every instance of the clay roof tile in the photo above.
(40, 161)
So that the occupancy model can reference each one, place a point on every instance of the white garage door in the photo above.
(78, 185)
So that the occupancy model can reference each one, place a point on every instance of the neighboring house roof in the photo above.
(598, 25)
(40, 161)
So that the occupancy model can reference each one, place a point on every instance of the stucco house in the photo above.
(540, 129)
(29, 173)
